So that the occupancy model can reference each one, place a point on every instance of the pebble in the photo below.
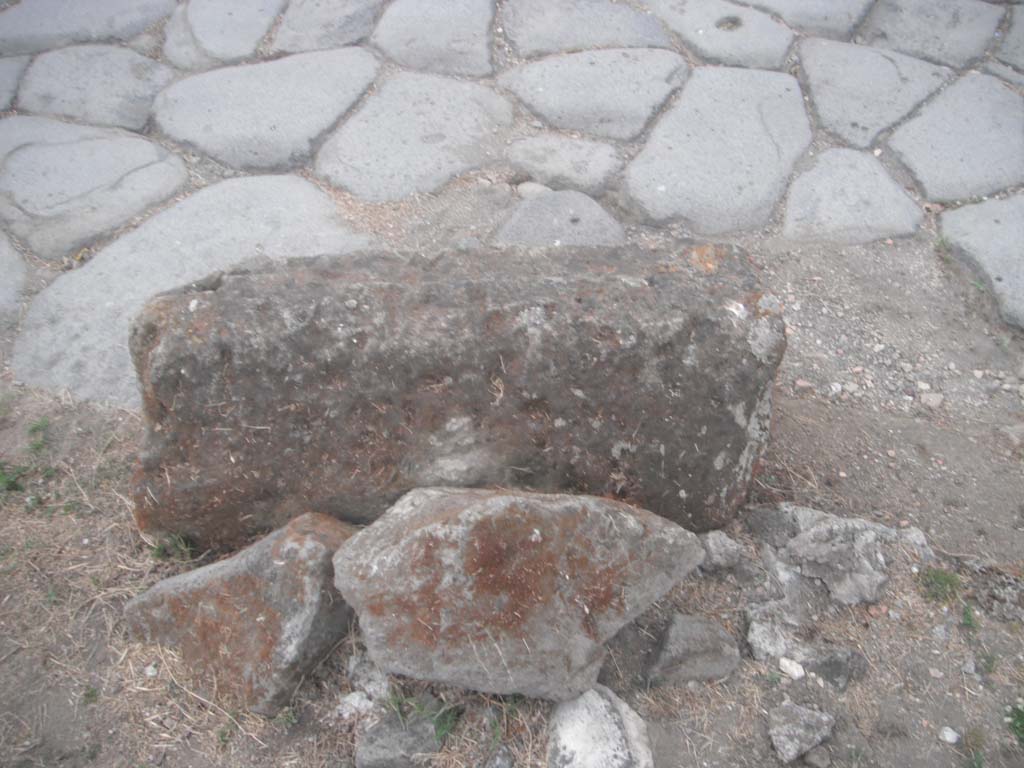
(949, 736)
(803, 384)
(932, 400)
(791, 669)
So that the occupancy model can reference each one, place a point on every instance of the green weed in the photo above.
(939, 584)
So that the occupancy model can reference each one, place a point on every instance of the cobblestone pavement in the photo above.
(147, 143)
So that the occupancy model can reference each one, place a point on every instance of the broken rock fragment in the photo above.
(507, 592)
(256, 622)
(597, 730)
(694, 648)
(796, 730)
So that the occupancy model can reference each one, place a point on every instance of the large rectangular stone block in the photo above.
(337, 385)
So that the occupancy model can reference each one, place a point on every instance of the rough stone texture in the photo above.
(313, 25)
(828, 18)
(256, 622)
(12, 267)
(536, 27)
(610, 93)
(720, 551)
(451, 38)
(859, 91)
(950, 32)
(693, 648)
(10, 72)
(180, 45)
(265, 115)
(989, 236)
(559, 218)
(969, 141)
(512, 368)
(561, 162)
(1011, 49)
(104, 84)
(847, 197)
(412, 136)
(720, 158)
(36, 25)
(229, 30)
(727, 33)
(795, 730)
(507, 592)
(68, 184)
(597, 730)
(75, 333)
(400, 740)
(23, 130)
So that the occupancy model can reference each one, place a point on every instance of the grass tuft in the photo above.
(939, 584)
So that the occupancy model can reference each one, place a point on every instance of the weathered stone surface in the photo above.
(720, 551)
(969, 141)
(1011, 49)
(513, 368)
(727, 33)
(597, 730)
(950, 32)
(256, 622)
(561, 162)
(720, 158)
(693, 648)
(13, 270)
(847, 197)
(412, 136)
(229, 30)
(10, 72)
(507, 592)
(313, 25)
(66, 185)
(559, 218)
(859, 91)
(75, 331)
(989, 237)
(828, 18)
(451, 38)
(36, 25)
(400, 740)
(104, 84)
(536, 27)
(610, 93)
(795, 730)
(265, 115)
(1007, 73)
(180, 45)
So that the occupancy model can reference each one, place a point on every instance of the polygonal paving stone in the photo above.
(75, 334)
(848, 198)
(412, 136)
(549, 26)
(265, 115)
(21, 130)
(451, 37)
(314, 25)
(990, 236)
(1011, 49)
(63, 187)
(828, 18)
(10, 73)
(559, 218)
(969, 141)
(727, 33)
(947, 31)
(229, 30)
(720, 158)
(560, 161)
(180, 46)
(36, 25)
(103, 84)
(12, 267)
(859, 91)
(610, 93)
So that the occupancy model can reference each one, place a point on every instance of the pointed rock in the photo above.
(693, 648)
(451, 37)
(559, 218)
(597, 730)
(796, 730)
(316, 25)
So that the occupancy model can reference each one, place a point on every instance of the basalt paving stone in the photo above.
(75, 334)
(12, 267)
(312, 25)
(451, 37)
(727, 33)
(413, 135)
(609, 93)
(1011, 49)
(990, 236)
(536, 27)
(265, 115)
(229, 30)
(100, 84)
(180, 46)
(559, 161)
(10, 72)
(968, 141)
(720, 158)
(847, 197)
(37, 25)
(559, 218)
(950, 32)
(828, 18)
(859, 91)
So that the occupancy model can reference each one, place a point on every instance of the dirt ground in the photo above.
(872, 331)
